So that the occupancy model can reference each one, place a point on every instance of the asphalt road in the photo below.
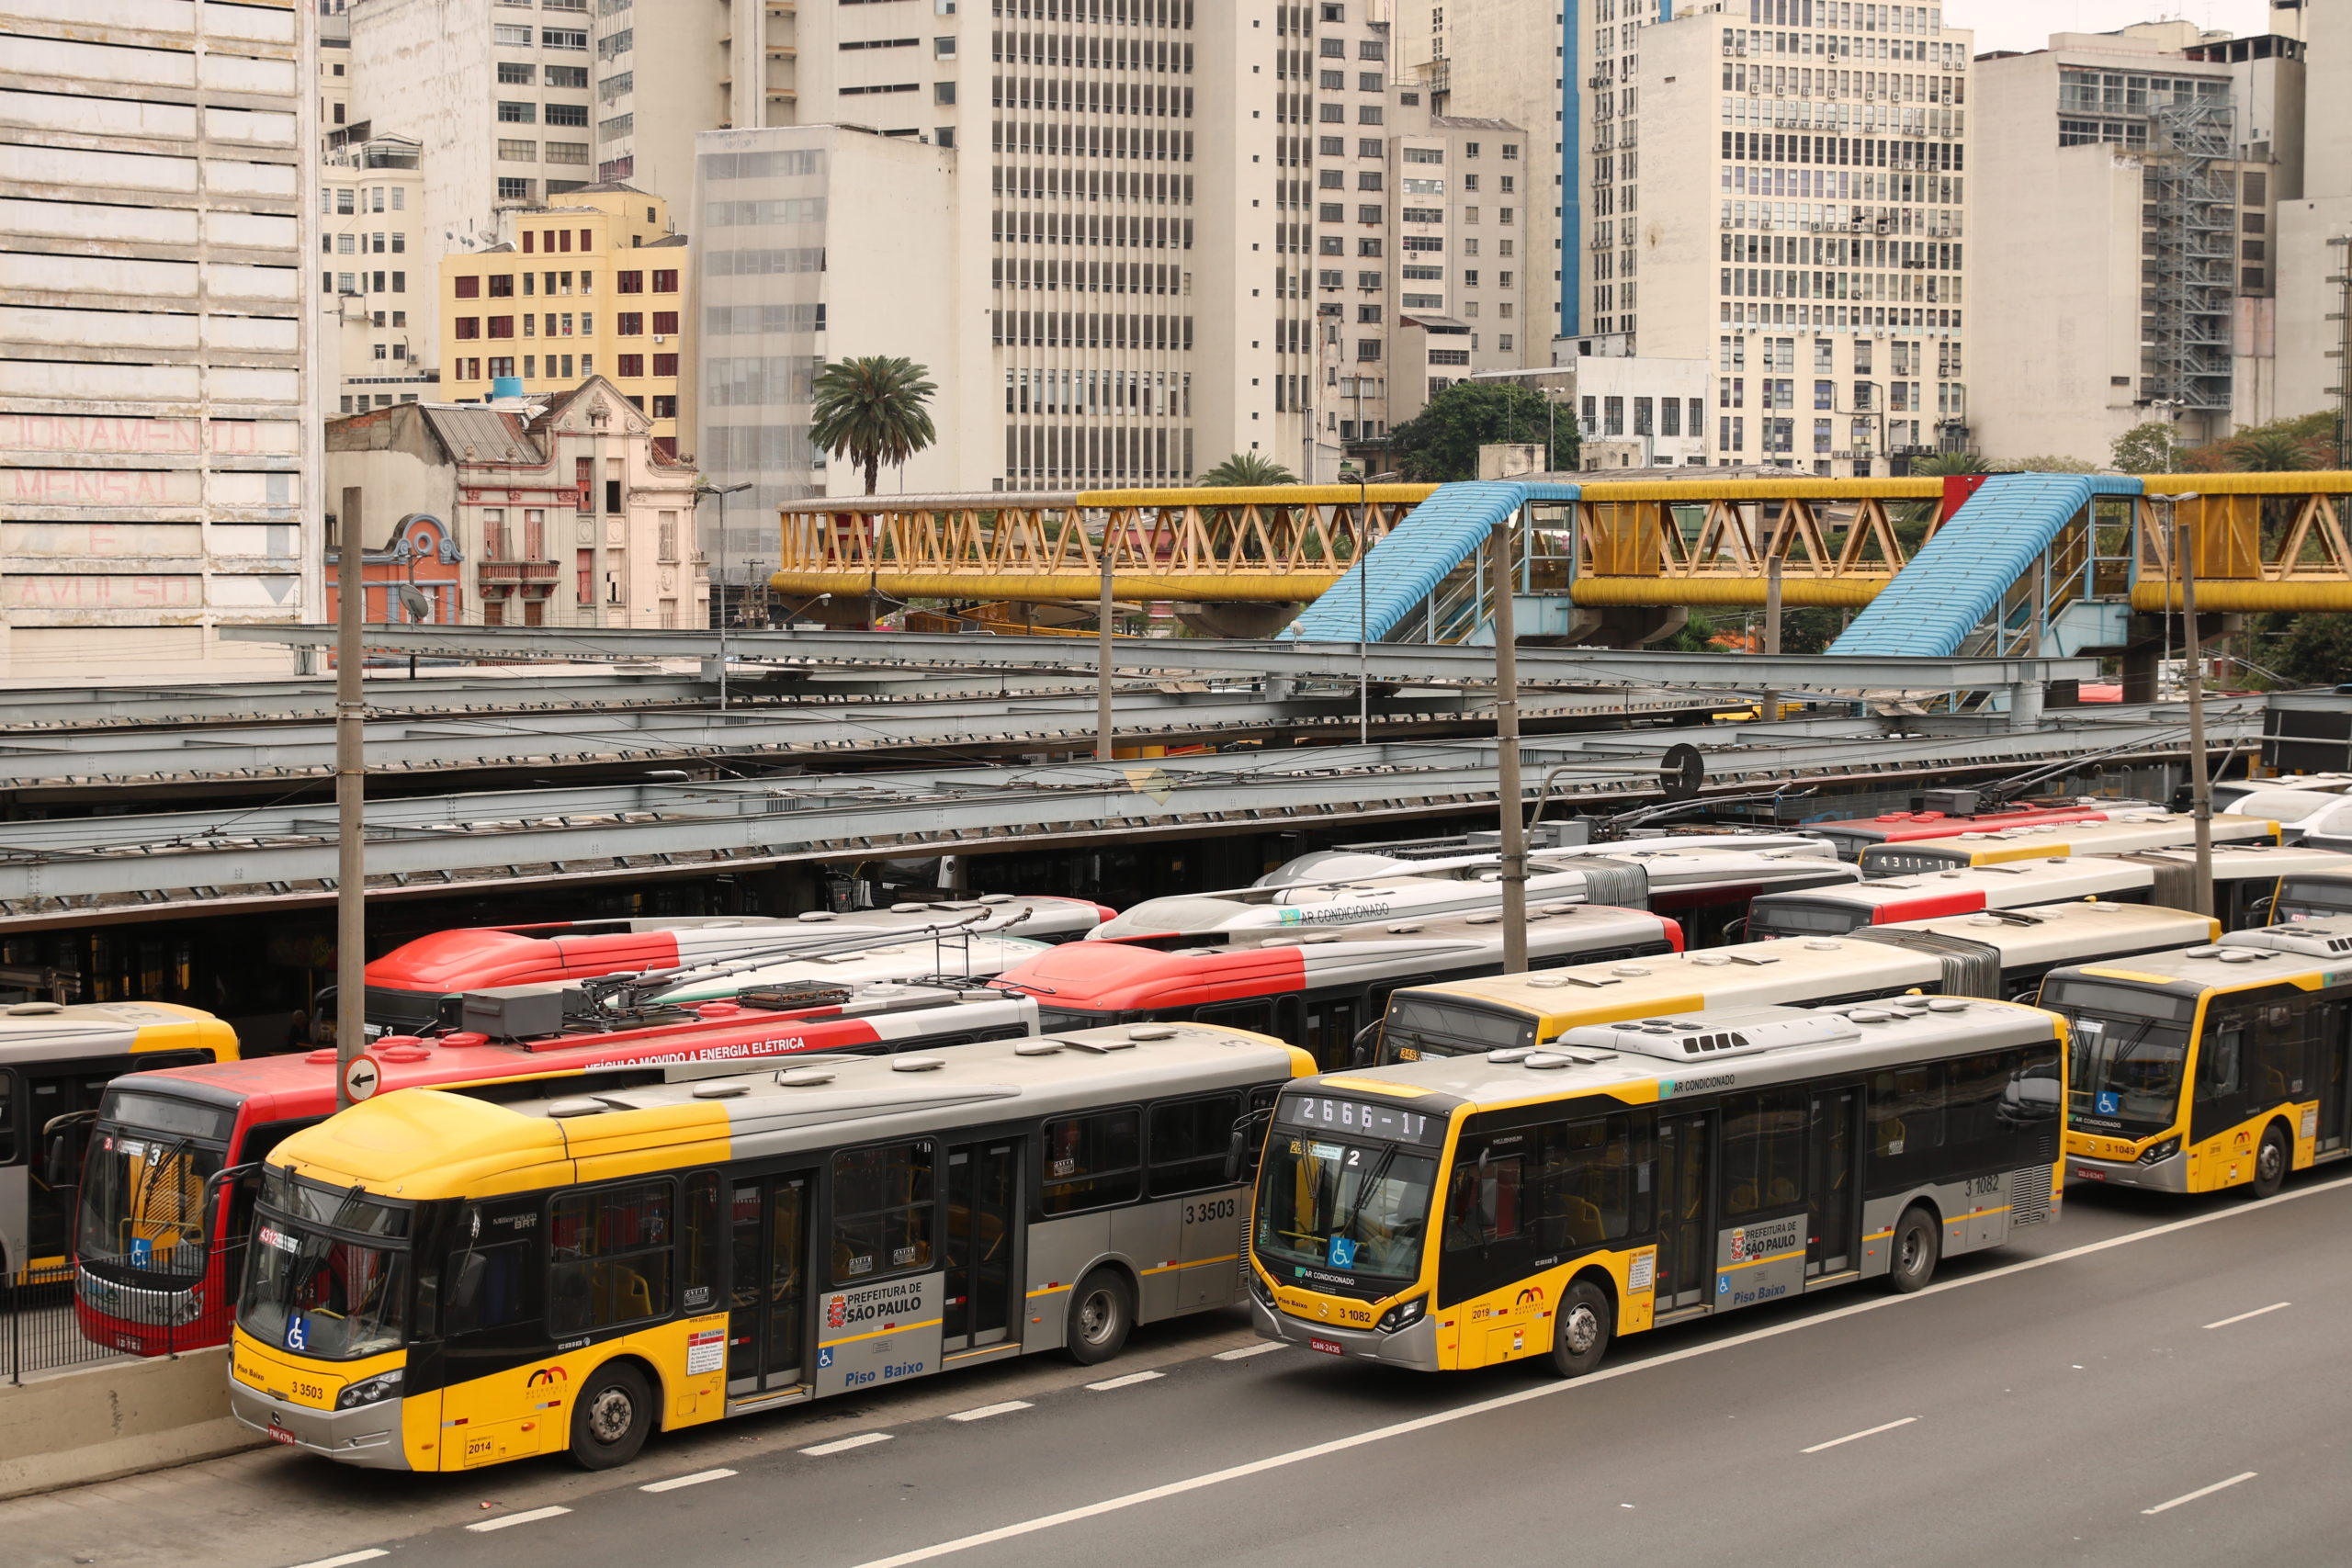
(2150, 1382)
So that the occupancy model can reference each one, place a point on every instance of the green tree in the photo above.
(1244, 470)
(1441, 444)
(2315, 650)
(872, 410)
(1944, 463)
(2046, 463)
(2273, 451)
(2146, 449)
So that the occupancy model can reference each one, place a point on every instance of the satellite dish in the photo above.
(415, 601)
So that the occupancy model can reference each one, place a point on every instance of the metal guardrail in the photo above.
(39, 1331)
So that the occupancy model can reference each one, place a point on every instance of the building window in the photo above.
(563, 38)
(666, 365)
(468, 326)
(1369, 114)
(512, 73)
(943, 93)
(502, 326)
(567, 113)
(514, 152)
(506, 35)
(666, 323)
(514, 190)
(665, 405)
(1332, 80)
(664, 282)
(1331, 114)
(513, 113)
(631, 324)
(628, 283)
(632, 366)
(1367, 350)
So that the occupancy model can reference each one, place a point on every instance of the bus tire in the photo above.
(611, 1418)
(1581, 1334)
(1913, 1250)
(2272, 1160)
(1101, 1311)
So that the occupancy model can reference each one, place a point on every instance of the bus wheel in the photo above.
(1918, 1243)
(2270, 1162)
(1581, 1337)
(1102, 1309)
(611, 1418)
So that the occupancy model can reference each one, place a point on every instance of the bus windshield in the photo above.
(1769, 918)
(2130, 1053)
(336, 1290)
(143, 1184)
(2313, 899)
(1418, 1026)
(1337, 1203)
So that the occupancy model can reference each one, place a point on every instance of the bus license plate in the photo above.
(279, 1434)
(1328, 1347)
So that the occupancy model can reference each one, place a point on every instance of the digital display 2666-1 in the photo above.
(1368, 1119)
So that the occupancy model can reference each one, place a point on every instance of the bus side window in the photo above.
(8, 1098)
(1093, 1161)
(1330, 1030)
(486, 1287)
(612, 1249)
(1906, 1121)
(2220, 1062)
(1588, 1180)
(1190, 1139)
(703, 1236)
(883, 1210)
(1763, 1150)
(2275, 1068)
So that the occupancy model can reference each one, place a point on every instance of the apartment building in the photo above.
(376, 295)
(592, 283)
(2152, 163)
(157, 416)
(557, 512)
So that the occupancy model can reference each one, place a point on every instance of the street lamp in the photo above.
(1364, 590)
(722, 491)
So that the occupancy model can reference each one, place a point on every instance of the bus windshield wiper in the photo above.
(1345, 1221)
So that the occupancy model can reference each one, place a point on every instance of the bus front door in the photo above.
(1683, 1259)
(983, 1215)
(767, 1316)
(2335, 1075)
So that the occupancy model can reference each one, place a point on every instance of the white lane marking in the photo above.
(842, 1445)
(2201, 1492)
(985, 1411)
(1856, 1437)
(2257, 1312)
(530, 1516)
(348, 1558)
(697, 1479)
(1247, 1351)
(1107, 1384)
(1547, 1391)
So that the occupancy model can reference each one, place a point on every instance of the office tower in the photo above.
(156, 410)
(592, 284)
(2123, 273)
(2314, 251)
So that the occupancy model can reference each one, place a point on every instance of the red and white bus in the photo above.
(160, 1236)
(406, 985)
(1854, 834)
(1314, 989)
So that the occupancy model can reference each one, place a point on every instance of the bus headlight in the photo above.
(2160, 1150)
(369, 1391)
(1259, 1289)
(1403, 1315)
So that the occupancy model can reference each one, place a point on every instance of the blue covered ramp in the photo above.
(1406, 567)
(1959, 577)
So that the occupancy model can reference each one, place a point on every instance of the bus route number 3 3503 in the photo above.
(1214, 1209)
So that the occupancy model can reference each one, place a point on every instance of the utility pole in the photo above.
(723, 492)
(1771, 628)
(350, 804)
(1514, 830)
(1103, 672)
(2201, 783)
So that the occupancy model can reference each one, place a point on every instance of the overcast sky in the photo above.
(2027, 24)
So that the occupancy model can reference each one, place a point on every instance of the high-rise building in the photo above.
(2124, 275)
(2314, 244)
(592, 284)
(157, 415)
(375, 279)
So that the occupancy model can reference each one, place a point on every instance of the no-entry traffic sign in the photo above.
(361, 1077)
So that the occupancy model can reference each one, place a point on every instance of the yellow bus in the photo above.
(2124, 833)
(2217, 1066)
(445, 1279)
(1537, 1202)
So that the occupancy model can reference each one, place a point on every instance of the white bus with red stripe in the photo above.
(405, 985)
(1314, 988)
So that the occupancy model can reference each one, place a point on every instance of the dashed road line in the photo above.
(2201, 1492)
(530, 1516)
(2257, 1312)
(347, 1559)
(1245, 1351)
(985, 1411)
(697, 1479)
(1128, 1381)
(1857, 1436)
(842, 1445)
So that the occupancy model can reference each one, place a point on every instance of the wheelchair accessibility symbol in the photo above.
(1343, 1253)
(824, 1360)
(298, 1332)
(2111, 1102)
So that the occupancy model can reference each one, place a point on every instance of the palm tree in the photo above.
(872, 410)
(1245, 471)
(1945, 463)
(2271, 452)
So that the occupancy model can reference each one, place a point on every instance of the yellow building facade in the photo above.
(592, 284)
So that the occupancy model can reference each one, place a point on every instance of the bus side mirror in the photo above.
(1247, 1132)
(1366, 1043)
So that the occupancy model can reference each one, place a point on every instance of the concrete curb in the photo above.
(116, 1419)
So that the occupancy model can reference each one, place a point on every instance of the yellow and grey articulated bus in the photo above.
(56, 1060)
(1535, 1201)
(2217, 1066)
(443, 1278)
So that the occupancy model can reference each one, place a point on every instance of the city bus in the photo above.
(2245, 888)
(56, 1060)
(453, 1280)
(2120, 833)
(2000, 956)
(406, 985)
(1317, 989)
(2223, 1066)
(1707, 890)
(160, 1229)
(968, 957)
(1855, 834)
(2229, 793)
(2313, 895)
(1353, 862)
(1536, 1202)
